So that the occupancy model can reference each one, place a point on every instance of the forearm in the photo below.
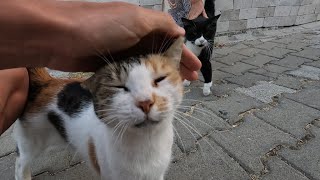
(33, 32)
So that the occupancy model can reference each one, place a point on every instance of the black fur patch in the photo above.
(73, 98)
(57, 122)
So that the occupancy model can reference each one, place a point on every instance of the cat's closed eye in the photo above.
(159, 79)
(122, 87)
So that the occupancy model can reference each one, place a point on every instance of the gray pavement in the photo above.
(261, 122)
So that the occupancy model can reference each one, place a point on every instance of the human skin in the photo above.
(73, 36)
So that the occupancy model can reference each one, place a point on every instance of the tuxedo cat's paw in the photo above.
(207, 89)
(186, 83)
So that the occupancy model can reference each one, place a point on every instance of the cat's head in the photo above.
(139, 91)
(200, 31)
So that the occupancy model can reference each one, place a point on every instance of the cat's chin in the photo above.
(146, 122)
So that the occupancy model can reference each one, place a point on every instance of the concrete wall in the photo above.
(240, 15)
(237, 15)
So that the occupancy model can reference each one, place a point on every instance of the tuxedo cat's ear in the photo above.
(186, 22)
(174, 52)
(214, 19)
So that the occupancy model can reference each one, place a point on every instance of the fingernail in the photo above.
(181, 30)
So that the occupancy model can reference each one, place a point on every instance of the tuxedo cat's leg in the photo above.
(206, 71)
(186, 82)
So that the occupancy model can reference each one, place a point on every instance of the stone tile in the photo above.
(289, 81)
(294, 10)
(309, 96)
(298, 46)
(264, 3)
(221, 90)
(255, 23)
(239, 46)
(314, 64)
(231, 107)
(307, 158)
(279, 21)
(279, 168)
(275, 68)
(8, 145)
(289, 116)
(238, 69)
(7, 166)
(79, 172)
(277, 52)
(248, 79)
(196, 93)
(223, 50)
(231, 58)
(310, 53)
(259, 60)
(250, 51)
(264, 72)
(265, 91)
(289, 2)
(291, 61)
(208, 162)
(217, 65)
(252, 139)
(286, 40)
(176, 151)
(307, 72)
(241, 4)
(253, 43)
(269, 45)
(219, 76)
(305, 19)
(193, 122)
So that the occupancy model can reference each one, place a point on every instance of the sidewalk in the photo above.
(261, 122)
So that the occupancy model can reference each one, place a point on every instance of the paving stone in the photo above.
(248, 79)
(282, 11)
(309, 96)
(7, 166)
(279, 21)
(265, 91)
(251, 140)
(217, 65)
(316, 46)
(208, 162)
(79, 172)
(241, 4)
(286, 40)
(314, 64)
(305, 19)
(277, 52)
(307, 158)
(275, 68)
(196, 93)
(298, 46)
(264, 3)
(291, 61)
(279, 168)
(264, 72)
(238, 69)
(250, 51)
(289, 116)
(255, 23)
(193, 122)
(223, 51)
(231, 58)
(259, 60)
(310, 53)
(307, 72)
(269, 45)
(8, 145)
(176, 151)
(253, 43)
(231, 107)
(289, 81)
(294, 10)
(219, 76)
(221, 90)
(239, 46)
(289, 2)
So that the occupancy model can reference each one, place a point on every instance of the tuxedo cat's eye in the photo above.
(122, 87)
(156, 81)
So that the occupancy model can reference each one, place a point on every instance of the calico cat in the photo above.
(119, 120)
(200, 33)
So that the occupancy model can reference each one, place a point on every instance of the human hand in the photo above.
(197, 8)
(120, 30)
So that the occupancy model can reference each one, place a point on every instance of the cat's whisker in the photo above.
(196, 119)
(179, 137)
(205, 112)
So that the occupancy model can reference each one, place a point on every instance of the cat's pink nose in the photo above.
(145, 106)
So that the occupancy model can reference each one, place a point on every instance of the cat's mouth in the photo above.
(201, 45)
(146, 122)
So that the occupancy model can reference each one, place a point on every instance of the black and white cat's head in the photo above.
(200, 31)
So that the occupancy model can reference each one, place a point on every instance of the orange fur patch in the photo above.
(160, 102)
(93, 156)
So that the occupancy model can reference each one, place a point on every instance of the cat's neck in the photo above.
(194, 48)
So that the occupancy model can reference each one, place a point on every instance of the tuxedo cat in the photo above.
(200, 33)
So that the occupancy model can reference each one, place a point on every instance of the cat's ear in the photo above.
(174, 52)
(186, 22)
